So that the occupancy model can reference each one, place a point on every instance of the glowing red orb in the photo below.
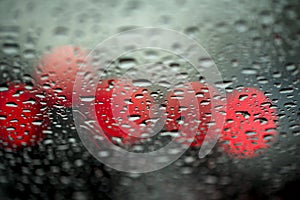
(22, 117)
(189, 109)
(56, 74)
(122, 109)
(250, 123)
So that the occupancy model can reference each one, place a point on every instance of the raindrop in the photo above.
(29, 53)
(192, 31)
(224, 84)
(3, 88)
(261, 120)
(139, 96)
(11, 48)
(11, 104)
(245, 114)
(290, 67)
(241, 26)
(37, 123)
(243, 97)
(249, 71)
(134, 117)
(87, 98)
(142, 83)
(126, 63)
(286, 90)
(250, 133)
(266, 17)
(204, 103)
(206, 62)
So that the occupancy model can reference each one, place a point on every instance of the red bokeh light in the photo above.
(56, 74)
(22, 117)
(250, 123)
(122, 108)
(189, 109)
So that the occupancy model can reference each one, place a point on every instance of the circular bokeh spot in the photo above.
(187, 101)
(22, 117)
(56, 73)
(122, 110)
(250, 123)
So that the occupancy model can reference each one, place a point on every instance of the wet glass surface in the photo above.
(254, 44)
